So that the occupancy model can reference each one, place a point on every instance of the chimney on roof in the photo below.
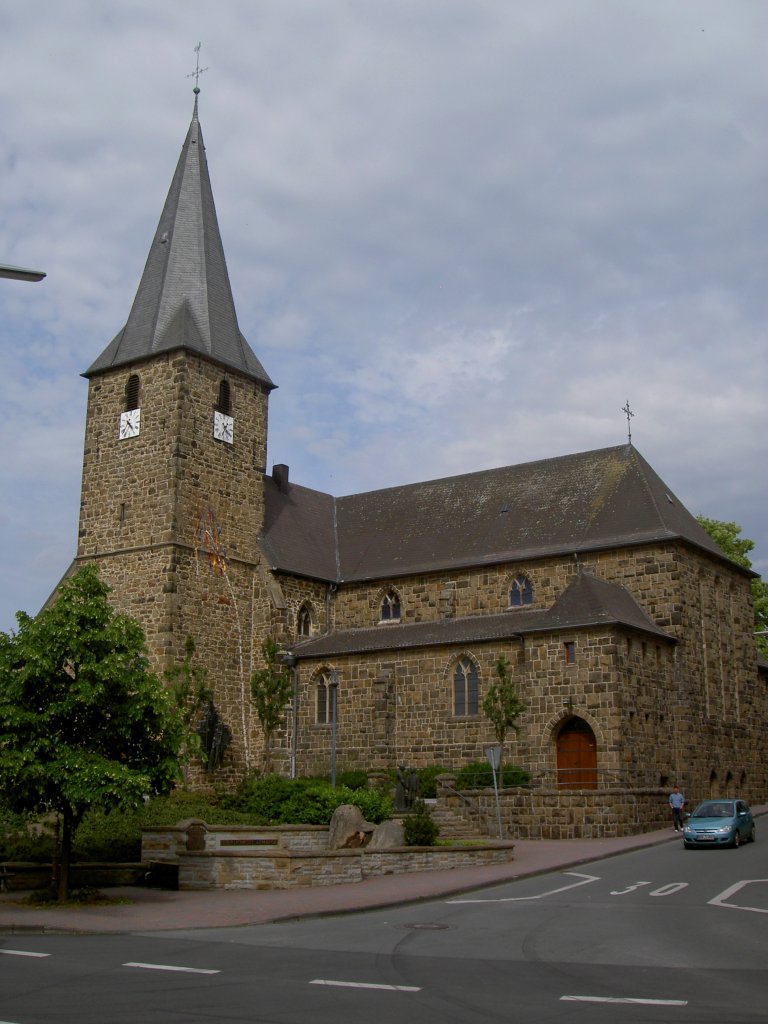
(280, 476)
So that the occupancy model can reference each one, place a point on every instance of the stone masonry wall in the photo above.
(661, 712)
(172, 517)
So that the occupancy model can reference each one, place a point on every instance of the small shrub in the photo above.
(277, 801)
(115, 837)
(428, 780)
(479, 775)
(418, 828)
(262, 799)
(355, 778)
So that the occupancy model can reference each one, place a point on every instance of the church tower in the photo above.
(175, 451)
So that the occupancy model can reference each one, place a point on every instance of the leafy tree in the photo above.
(503, 705)
(737, 548)
(189, 689)
(270, 690)
(83, 721)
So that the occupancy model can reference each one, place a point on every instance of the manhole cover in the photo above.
(428, 926)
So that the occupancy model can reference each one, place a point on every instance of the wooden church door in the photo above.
(576, 756)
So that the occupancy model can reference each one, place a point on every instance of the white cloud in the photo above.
(459, 234)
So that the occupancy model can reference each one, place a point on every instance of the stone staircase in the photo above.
(454, 824)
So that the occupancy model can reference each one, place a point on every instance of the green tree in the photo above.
(271, 691)
(83, 721)
(503, 705)
(189, 689)
(728, 538)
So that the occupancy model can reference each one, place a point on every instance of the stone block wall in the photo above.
(293, 869)
(167, 843)
(563, 814)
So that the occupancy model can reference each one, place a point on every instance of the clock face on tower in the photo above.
(223, 427)
(130, 423)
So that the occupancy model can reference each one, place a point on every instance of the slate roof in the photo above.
(586, 602)
(184, 299)
(573, 504)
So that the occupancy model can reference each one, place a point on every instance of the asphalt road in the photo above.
(656, 935)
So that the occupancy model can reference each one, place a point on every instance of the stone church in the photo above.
(627, 630)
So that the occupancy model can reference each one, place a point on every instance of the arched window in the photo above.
(576, 755)
(520, 592)
(132, 393)
(224, 403)
(390, 607)
(321, 704)
(465, 687)
(304, 621)
(326, 692)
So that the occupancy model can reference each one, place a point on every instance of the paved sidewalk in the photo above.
(154, 910)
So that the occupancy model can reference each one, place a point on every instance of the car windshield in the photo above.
(714, 809)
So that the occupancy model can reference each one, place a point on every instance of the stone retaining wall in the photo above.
(291, 856)
(294, 869)
(166, 843)
(561, 814)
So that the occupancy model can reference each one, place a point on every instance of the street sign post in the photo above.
(493, 753)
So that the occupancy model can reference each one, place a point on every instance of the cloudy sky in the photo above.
(460, 234)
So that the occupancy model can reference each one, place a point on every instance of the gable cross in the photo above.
(629, 414)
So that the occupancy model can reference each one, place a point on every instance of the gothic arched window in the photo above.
(304, 621)
(520, 592)
(390, 607)
(465, 687)
(321, 700)
(326, 692)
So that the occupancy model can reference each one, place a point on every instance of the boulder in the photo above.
(348, 828)
(387, 835)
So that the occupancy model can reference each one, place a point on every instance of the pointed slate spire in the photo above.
(184, 299)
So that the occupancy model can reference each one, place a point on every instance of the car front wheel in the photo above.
(736, 839)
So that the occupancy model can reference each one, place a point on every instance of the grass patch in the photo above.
(87, 896)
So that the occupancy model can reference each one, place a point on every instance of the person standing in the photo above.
(677, 803)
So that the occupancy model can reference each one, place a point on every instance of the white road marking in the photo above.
(615, 999)
(722, 899)
(168, 967)
(21, 952)
(669, 890)
(586, 879)
(630, 888)
(363, 984)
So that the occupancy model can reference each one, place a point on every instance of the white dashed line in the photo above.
(363, 984)
(616, 999)
(169, 967)
(21, 952)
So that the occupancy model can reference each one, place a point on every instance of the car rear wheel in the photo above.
(751, 837)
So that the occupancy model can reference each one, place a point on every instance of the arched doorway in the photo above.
(576, 756)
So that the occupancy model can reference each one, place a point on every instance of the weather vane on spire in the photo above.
(198, 70)
(629, 414)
